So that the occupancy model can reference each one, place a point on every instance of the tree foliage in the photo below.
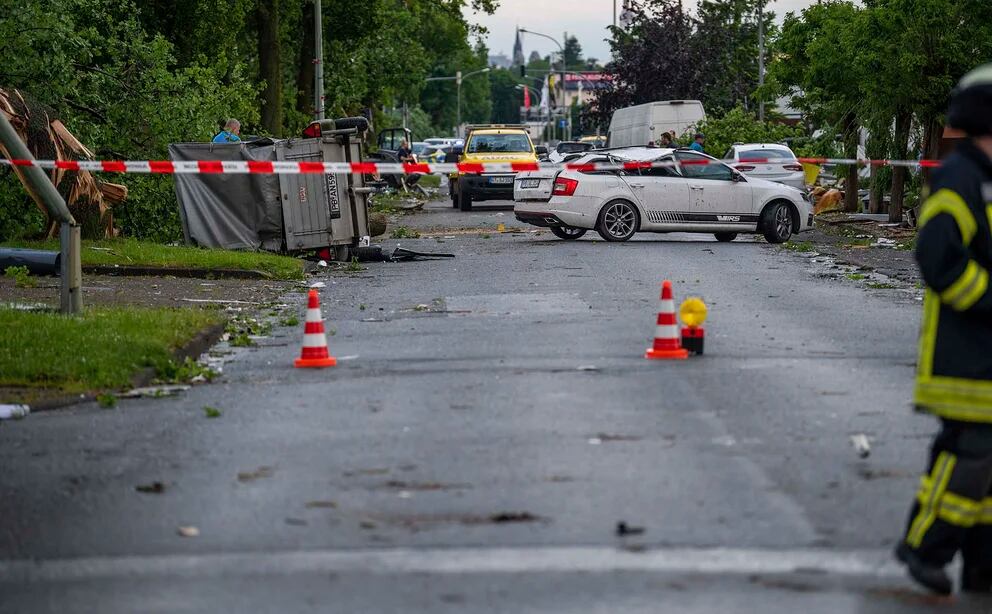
(740, 125)
(668, 54)
(129, 77)
(886, 66)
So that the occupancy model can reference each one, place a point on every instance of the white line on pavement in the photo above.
(577, 559)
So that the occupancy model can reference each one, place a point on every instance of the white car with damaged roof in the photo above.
(688, 191)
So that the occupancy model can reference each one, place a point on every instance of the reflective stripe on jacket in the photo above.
(954, 251)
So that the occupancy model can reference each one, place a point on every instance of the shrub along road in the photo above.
(490, 423)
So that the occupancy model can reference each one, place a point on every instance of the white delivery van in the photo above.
(641, 124)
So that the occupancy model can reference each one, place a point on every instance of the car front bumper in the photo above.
(481, 187)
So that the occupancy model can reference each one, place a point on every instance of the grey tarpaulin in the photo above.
(229, 211)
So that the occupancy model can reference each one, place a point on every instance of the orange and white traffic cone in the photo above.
(667, 345)
(314, 354)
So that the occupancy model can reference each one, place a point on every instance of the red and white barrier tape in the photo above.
(259, 167)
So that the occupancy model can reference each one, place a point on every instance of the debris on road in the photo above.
(505, 517)
(165, 390)
(251, 476)
(155, 488)
(15, 412)
(861, 445)
(188, 532)
(605, 437)
(321, 505)
(624, 529)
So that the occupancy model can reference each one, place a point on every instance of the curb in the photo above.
(147, 271)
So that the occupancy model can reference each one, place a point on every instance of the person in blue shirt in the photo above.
(231, 132)
(698, 143)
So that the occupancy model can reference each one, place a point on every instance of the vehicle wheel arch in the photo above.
(793, 211)
(629, 201)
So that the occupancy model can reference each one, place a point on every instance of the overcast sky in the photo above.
(585, 19)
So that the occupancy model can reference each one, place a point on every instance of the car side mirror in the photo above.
(737, 176)
(541, 150)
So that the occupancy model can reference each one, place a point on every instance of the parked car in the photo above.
(644, 123)
(568, 150)
(598, 142)
(486, 144)
(430, 154)
(695, 193)
(767, 161)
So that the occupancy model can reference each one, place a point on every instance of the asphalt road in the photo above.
(491, 421)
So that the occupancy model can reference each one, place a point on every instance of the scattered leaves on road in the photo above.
(251, 476)
(155, 488)
(212, 412)
(106, 400)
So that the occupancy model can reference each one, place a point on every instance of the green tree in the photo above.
(817, 62)
(727, 35)
(573, 54)
(506, 98)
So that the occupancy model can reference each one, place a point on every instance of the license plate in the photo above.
(501, 180)
(530, 183)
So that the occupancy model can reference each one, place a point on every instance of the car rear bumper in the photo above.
(545, 214)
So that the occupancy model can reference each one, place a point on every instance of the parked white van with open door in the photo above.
(639, 125)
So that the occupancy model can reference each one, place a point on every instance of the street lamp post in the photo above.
(458, 78)
(761, 58)
(560, 48)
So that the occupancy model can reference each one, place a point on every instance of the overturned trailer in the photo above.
(278, 212)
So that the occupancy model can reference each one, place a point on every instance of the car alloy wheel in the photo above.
(617, 221)
(567, 233)
(777, 223)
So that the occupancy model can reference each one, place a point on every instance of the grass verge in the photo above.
(99, 350)
(132, 252)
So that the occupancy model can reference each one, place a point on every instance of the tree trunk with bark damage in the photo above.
(307, 67)
(900, 147)
(851, 203)
(89, 199)
(267, 14)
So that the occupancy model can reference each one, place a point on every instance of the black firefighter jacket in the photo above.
(954, 251)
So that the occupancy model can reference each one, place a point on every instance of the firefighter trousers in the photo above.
(953, 507)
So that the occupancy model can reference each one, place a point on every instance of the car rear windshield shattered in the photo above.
(756, 155)
(498, 143)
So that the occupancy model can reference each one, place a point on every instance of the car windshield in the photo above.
(498, 143)
(419, 148)
(756, 155)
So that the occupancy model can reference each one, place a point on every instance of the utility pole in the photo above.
(318, 60)
(761, 59)
(43, 191)
(458, 84)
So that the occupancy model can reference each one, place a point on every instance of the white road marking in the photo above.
(569, 559)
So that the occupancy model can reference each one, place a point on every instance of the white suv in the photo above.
(767, 161)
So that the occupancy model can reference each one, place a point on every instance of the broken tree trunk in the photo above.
(89, 199)
(900, 147)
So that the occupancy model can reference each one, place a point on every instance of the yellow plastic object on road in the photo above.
(811, 172)
(693, 311)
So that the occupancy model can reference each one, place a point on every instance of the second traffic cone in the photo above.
(667, 345)
(314, 353)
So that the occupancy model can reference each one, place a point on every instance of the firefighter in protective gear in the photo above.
(953, 508)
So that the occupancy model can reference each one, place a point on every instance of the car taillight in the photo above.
(744, 168)
(793, 167)
(564, 187)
